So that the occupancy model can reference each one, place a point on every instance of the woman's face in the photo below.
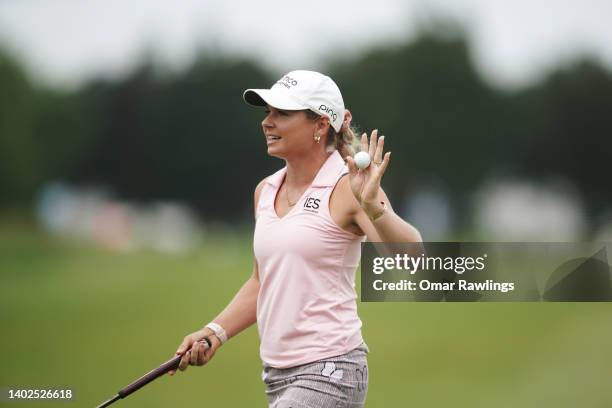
(288, 133)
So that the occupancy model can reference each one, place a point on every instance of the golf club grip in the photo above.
(171, 364)
(150, 376)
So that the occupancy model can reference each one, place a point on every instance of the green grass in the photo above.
(93, 321)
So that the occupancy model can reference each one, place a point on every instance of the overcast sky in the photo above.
(65, 42)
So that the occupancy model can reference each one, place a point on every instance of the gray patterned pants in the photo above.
(335, 382)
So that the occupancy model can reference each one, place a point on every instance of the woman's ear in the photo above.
(348, 116)
(323, 125)
(346, 122)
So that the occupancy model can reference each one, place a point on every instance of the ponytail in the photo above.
(344, 141)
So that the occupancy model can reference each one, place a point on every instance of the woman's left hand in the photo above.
(365, 183)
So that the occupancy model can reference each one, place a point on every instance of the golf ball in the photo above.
(362, 160)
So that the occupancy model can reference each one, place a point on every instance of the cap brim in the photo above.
(272, 97)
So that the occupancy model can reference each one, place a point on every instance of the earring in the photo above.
(317, 137)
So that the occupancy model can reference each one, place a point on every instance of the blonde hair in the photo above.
(345, 142)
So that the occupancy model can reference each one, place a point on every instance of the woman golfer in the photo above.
(310, 222)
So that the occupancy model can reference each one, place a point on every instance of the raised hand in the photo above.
(365, 183)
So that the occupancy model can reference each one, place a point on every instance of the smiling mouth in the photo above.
(273, 137)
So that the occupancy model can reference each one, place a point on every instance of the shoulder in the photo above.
(258, 190)
(343, 195)
(344, 207)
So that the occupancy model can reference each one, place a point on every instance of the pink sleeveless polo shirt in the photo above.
(306, 308)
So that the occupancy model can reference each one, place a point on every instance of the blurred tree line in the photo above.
(189, 136)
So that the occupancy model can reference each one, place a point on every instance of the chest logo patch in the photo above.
(312, 204)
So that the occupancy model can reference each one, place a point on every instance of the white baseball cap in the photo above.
(299, 90)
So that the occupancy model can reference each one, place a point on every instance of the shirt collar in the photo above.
(327, 175)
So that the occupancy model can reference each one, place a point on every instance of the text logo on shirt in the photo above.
(312, 204)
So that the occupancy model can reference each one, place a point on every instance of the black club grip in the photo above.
(171, 364)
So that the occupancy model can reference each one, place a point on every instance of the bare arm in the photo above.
(389, 227)
(239, 314)
(368, 196)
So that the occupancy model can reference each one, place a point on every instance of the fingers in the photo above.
(185, 345)
(374, 147)
(383, 166)
(364, 142)
(197, 356)
(351, 166)
(183, 350)
(377, 158)
(201, 354)
(185, 361)
(373, 142)
(195, 349)
(208, 354)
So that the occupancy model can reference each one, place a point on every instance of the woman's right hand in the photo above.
(199, 354)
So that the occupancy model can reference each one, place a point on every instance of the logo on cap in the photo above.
(287, 81)
(329, 111)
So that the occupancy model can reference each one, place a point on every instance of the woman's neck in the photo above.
(302, 170)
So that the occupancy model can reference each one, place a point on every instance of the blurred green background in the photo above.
(79, 317)
(115, 244)
(468, 156)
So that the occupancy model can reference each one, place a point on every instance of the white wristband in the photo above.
(218, 330)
